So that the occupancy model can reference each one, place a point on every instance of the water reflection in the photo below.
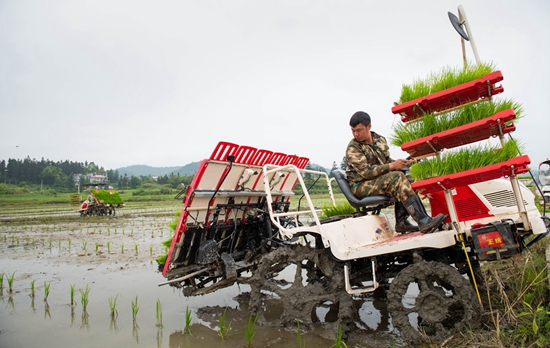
(113, 325)
(85, 324)
(72, 316)
(135, 331)
(47, 313)
(159, 337)
(11, 305)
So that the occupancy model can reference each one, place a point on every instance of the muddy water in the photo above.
(116, 257)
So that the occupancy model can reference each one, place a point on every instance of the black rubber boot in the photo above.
(426, 224)
(402, 224)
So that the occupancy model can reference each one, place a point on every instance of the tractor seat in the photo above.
(355, 202)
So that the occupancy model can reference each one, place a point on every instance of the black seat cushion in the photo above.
(355, 202)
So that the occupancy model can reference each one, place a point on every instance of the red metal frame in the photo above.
(467, 203)
(512, 167)
(243, 155)
(222, 150)
(466, 134)
(182, 226)
(481, 88)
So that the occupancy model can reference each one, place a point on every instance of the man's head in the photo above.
(360, 126)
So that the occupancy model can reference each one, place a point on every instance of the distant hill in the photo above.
(145, 170)
(188, 169)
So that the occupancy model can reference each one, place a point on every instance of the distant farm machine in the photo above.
(100, 201)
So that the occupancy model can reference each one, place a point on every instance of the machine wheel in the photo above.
(306, 284)
(429, 301)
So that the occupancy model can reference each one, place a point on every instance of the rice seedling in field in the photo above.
(432, 123)
(2, 281)
(136, 247)
(10, 281)
(187, 321)
(464, 159)
(109, 247)
(112, 306)
(150, 250)
(122, 248)
(158, 314)
(84, 297)
(446, 78)
(73, 302)
(84, 244)
(70, 241)
(338, 343)
(301, 341)
(250, 331)
(96, 247)
(135, 309)
(46, 291)
(223, 326)
(32, 289)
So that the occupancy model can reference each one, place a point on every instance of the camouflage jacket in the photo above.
(367, 161)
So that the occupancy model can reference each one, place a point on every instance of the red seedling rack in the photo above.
(481, 88)
(512, 167)
(469, 133)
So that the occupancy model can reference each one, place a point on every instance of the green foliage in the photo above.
(432, 124)
(301, 341)
(107, 196)
(135, 309)
(534, 322)
(338, 342)
(112, 307)
(187, 321)
(463, 159)
(250, 330)
(223, 325)
(158, 314)
(84, 297)
(341, 208)
(446, 78)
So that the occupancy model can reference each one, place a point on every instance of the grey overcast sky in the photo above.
(161, 82)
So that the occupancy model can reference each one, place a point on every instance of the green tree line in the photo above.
(46, 172)
(61, 175)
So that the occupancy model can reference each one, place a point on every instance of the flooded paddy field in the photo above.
(106, 259)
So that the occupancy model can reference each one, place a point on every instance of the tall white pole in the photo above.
(463, 19)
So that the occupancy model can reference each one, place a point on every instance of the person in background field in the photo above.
(371, 171)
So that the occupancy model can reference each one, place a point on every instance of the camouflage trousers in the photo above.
(393, 184)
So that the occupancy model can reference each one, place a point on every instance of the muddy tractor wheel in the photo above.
(429, 301)
(298, 282)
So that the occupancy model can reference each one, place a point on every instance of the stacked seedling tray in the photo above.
(458, 116)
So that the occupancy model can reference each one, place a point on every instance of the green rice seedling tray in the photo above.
(481, 88)
(512, 167)
(495, 125)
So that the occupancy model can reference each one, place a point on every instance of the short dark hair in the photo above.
(359, 117)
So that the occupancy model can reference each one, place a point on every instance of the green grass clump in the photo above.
(84, 297)
(341, 208)
(108, 197)
(223, 325)
(464, 159)
(112, 306)
(162, 258)
(446, 78)
(250, 330)
(432, 124)
(158, 314)
(187, 321)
